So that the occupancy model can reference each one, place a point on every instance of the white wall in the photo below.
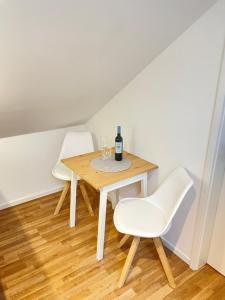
(26, 162)
(166, 111)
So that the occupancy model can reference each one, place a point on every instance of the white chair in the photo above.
(75, 143)
(151, 217)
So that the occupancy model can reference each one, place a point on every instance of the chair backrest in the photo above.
(172, 191)
(76, 143)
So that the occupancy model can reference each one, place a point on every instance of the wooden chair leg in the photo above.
(123, 240)
(91, 189)
(129, 260)
(86, 198)
(62, 197)
(162, 256)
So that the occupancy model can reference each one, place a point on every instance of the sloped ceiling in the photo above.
(62, 60)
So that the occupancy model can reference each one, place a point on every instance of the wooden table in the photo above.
(105, 183)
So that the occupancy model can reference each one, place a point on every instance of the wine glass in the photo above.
(104, 147)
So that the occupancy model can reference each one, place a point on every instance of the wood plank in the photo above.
(41, 257)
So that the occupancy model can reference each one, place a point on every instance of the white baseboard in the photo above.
(30, 197)
(177, 251)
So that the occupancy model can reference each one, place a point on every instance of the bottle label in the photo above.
(119, 147)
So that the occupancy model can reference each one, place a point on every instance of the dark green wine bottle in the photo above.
(118, 145)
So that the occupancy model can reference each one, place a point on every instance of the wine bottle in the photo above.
(118, 145)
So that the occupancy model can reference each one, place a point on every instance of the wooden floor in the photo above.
(42, 258)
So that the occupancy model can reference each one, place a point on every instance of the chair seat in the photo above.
(60, 171)
(139, 217)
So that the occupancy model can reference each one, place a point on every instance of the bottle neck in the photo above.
(118, 130)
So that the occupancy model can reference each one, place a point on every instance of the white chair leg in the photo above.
(62, 197)
(129, 260)
(162, 256)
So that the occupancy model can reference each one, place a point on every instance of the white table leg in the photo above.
(73, 198)
(144, 185)
(114, 198)
(101, 224)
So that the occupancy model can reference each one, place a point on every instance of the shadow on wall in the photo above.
(180, 218)
(95, 141)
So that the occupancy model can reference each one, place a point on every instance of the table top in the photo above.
(81, 166)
